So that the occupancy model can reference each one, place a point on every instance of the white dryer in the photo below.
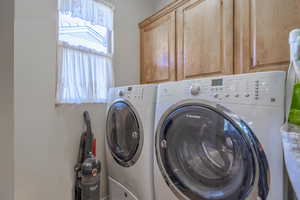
(219, 139)
(129, 142)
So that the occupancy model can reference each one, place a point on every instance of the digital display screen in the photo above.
(217, 82)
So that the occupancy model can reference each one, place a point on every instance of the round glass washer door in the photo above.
(124, 133)
(204, 155)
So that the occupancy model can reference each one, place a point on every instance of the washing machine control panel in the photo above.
(130, 93)
(262, 88)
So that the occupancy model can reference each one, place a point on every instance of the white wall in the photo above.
(6, 99)
(128, 14)
(40, 162)
(47, 138)
(159, 4)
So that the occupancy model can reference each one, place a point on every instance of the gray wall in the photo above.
(6, 100)
(46, 137)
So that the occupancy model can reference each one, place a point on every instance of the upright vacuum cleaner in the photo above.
(87, 169)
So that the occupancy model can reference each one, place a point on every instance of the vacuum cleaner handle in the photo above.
(87, 120)
(89, 135)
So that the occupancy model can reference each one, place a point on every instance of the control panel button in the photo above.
(227, 95)
(237, 96)
(247, 95)
(195, 90)
(121, 93)
(216, 95)
(273, 99)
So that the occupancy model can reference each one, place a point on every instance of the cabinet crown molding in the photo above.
(164, 11)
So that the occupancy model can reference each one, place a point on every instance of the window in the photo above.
(85, 50)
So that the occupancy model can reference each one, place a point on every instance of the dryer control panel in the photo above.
(130, 93)
(265, 88)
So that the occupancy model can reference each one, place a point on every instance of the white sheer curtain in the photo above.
(97, 12)
(84, 74)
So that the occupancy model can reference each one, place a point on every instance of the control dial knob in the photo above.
(195, 90)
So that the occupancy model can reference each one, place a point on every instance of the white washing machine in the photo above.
(129, 142)
(219, 139)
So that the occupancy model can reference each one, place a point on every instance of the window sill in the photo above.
(79, 104)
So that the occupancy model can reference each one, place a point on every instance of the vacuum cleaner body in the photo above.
(87, 169)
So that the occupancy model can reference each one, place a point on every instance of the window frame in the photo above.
(59, 43)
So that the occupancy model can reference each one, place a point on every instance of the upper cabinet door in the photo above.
(204, 38)
(158, 50)
(261, 33)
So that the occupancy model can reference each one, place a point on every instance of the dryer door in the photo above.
(205, 154)
(124, 133)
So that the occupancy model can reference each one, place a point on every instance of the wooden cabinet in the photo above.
(204, 38)
(261, 33)
(158, 50)
(198, 38)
